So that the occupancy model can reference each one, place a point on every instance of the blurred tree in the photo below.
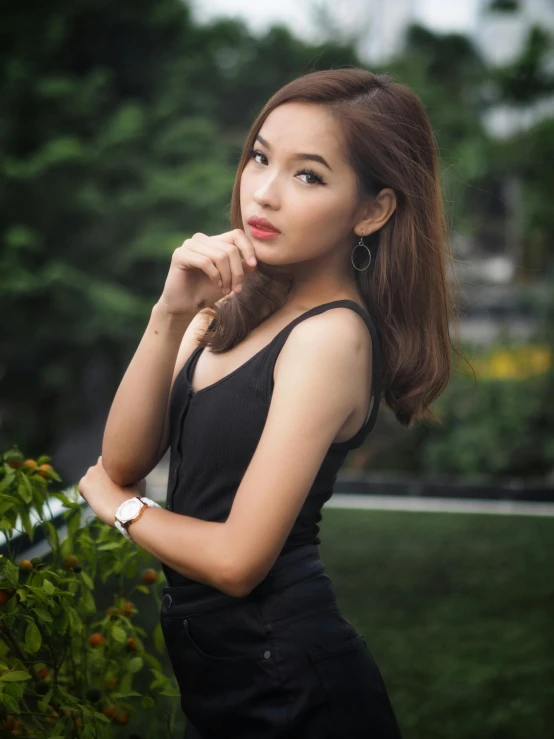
(106, 161)
(120, 135)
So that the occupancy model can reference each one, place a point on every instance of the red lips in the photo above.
(262, 223)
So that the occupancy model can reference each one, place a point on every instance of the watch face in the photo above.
(129, 509)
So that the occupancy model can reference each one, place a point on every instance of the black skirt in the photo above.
(280, 663)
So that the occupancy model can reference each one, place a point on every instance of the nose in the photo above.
(266, 192)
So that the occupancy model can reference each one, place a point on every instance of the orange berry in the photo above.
(31, 463)
(44, 469)
(5, 595)
(13, 459)
(43, 673)
(121, 717)
(52, 715)
(109, 711)
(96, 639)
(26, 564)
(112, 683)
(128, 608)
(149, 576)
(71, 561)
(131, 645)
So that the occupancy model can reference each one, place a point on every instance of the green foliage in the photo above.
(492, 428)
(121, 130)
(63, 664)
(457, 611)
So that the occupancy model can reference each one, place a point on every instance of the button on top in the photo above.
(167, 602)
(267, 654)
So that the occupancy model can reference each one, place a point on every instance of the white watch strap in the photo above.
(123, 530)
(149, 502)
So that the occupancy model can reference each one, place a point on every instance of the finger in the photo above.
(245, 245)
(235, 263)
(188, 256)
(220, 259)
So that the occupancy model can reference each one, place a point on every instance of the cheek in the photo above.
(322, 215)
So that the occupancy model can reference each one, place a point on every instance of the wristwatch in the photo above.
(131, 510)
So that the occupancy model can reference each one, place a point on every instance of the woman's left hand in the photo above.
(103, 495)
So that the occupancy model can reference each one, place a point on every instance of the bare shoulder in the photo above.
(339, 335)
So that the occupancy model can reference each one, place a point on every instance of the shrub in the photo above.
(66, 669)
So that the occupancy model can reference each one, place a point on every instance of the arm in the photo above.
(304, 418)
(137, 430)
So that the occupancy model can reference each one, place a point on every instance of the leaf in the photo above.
(109, 546)
(135, 664)
(51, 535)
(119, 634)
(10, 704)
(7, 481)
(87, 580)
(126, 684)
(48, 587)
(27, 525)
(65, 500)
(74, 523)
(143, 589)
(173, 692)
(25, 481)
(24, 493)
(15, 676)
(7, 502)
(33, 637)
(42, 615)
(87, 603)
(148, 702)
(159, 641)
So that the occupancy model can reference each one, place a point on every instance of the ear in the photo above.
(377, 212)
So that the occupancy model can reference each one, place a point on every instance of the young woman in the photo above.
(335, 296)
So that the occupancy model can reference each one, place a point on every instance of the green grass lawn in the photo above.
(458, 611)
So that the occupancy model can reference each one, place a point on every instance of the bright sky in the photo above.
(442, 15)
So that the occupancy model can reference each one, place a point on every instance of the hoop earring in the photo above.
(361, 243)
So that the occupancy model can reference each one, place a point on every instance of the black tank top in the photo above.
(214, 433)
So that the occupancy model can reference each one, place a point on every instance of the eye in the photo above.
(311, 173)
(308, 172)
(254, 153)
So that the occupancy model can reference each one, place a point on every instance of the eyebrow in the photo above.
(311, 157)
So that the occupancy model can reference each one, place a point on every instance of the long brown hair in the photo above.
(389, 142)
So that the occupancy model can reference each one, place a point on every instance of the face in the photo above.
(298, 179)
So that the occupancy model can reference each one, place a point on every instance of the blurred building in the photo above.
(502, 26)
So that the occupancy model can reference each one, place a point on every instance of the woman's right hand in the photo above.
(200, 265)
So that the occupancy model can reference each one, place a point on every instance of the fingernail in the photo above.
(252, 261)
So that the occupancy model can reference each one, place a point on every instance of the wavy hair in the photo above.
(388, 142)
